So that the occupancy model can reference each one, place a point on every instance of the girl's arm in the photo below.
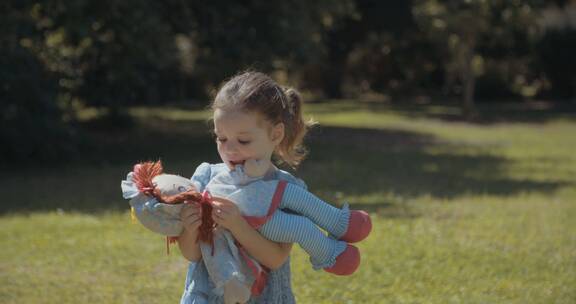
(191, 217)
(268, 253)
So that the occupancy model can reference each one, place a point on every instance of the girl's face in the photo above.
(244, 135)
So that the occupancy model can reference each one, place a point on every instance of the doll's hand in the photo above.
(191, 216)
(256, 168)
(226, 214)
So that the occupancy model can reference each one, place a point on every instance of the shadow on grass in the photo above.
(406, 164)
(355, 162)
(90, 182)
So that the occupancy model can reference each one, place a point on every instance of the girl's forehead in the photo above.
(241, 121)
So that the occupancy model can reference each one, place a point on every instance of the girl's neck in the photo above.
(271, 171)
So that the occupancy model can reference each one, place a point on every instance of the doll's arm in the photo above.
(201, 176)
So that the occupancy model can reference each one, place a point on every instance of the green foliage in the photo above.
(470, 33)
(31, 122)
(556, 56)
(118, 53)
(262, 34)
(60, 56)
(367, 46)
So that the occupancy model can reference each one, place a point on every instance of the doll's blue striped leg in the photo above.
(289, 228)
(328, 217)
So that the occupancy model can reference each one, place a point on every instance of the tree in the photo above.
(31, 123)
(268, 35)
(367, 19)
(459, 28)
(59, 56)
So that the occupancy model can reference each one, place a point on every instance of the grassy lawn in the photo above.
(463, 212)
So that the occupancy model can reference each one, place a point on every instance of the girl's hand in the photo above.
(226, 214)
(191, 216)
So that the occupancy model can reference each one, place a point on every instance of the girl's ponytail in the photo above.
(291, 150)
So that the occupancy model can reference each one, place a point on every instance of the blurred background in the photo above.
(451, 121)
(60, 57)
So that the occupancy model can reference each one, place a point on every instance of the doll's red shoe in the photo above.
(347, 262)
(359, 227)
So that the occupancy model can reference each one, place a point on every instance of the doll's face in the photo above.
(242, 135)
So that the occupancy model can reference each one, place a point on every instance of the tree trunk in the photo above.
(339, 46)
(333, 81)
(469, 107)
(468, 82)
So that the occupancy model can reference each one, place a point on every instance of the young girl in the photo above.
(256, 120)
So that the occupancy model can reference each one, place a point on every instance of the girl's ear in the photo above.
(277, 134)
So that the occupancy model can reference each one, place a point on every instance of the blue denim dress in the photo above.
(197, 286)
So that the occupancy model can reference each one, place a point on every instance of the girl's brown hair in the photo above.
(255, 91)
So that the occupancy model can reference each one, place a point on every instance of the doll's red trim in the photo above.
(260, 273)
(257, 221)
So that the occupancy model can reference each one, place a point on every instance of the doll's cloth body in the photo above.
(261, 202)
(254, 198)
(198, 286)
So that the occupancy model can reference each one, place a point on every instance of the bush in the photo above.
(31, 124)
(556, 58)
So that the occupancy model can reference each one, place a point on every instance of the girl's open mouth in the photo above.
(235, 163)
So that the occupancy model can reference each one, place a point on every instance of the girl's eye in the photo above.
(244, 142)
(221, 139)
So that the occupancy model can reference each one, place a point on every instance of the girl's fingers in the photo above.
(196, 222)
(192, 222)
(189, 215)
(221, 212)
(219, 202)
(193, 217)
(217, 219)
(189, 210)
(218, 215)
(225, 209)
(193, 213)
(217, 206)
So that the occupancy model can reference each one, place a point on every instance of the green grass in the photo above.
(463, 212)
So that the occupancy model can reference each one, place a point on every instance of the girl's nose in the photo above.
(230, 146)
